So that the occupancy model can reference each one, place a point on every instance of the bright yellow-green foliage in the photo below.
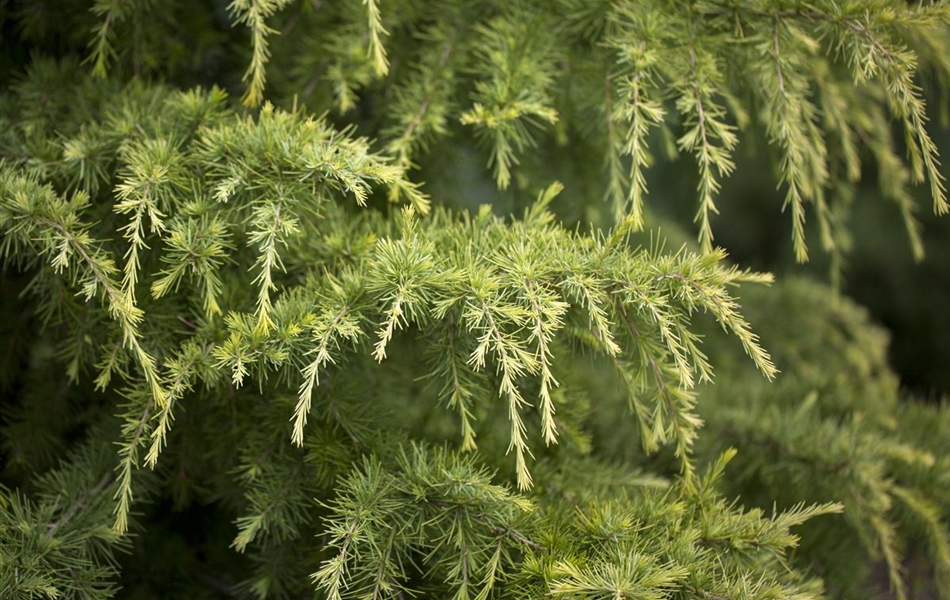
(281, 326)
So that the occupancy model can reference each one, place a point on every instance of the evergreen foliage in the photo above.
(252, 354)
(839, 429)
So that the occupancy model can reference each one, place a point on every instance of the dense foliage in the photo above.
(272, 331)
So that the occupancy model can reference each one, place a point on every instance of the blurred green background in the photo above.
(912, 300)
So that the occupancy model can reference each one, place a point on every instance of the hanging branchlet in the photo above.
(137, 427)
(376, 32)
(708, 135)
(640, 112)
(423, 103)
(253, 14)
(339, 323)
(872, 54)
(110, 15)
(147, 186)
(350, 71)
(515, 98)
(34, 216)
(792, 125)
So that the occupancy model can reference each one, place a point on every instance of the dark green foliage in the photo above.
(252, 354)
(58, 542)
(836, 425)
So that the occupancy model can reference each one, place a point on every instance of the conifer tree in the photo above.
(371, 299)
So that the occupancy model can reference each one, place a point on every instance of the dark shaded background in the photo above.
(912, 300)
